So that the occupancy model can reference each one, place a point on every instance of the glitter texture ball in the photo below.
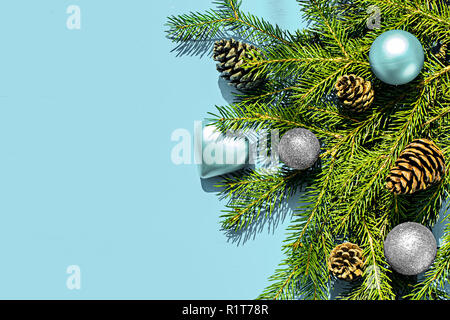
(396, 57)
(410, 248)
(299, 148)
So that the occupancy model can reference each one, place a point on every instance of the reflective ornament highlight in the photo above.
(410, 248)
(299, 148)
(218, 154)
(396, 57)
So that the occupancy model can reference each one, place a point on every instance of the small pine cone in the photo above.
(230, 56)
(419, 166)
(346, 261)
(355, 93)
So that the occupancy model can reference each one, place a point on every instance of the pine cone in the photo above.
(418, 166)
(230, 55)
(355, 93)
(346, 261)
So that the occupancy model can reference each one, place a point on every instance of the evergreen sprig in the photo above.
(226, 17)
(254, 193)
(344, 196)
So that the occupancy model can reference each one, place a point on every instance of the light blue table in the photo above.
(86, 176)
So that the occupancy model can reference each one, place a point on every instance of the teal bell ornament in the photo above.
(218, 154)
(396, 57)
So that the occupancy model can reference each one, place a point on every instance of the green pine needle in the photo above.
(344, 197)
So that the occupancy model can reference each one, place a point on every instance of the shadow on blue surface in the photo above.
(227, 90)
(284, 210)
(210, 184)
(195, 48)
(264, 223)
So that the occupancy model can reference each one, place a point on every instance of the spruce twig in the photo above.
(344, 197)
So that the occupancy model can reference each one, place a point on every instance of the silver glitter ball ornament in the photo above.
(299, 148)
(410, 248)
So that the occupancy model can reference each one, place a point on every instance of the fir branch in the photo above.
(319, 86)
(307, 228)
(426, 18)
(257, 117)
(333, 27)
(345, 197)
(362, 200)
(437, 276)
(442, 114)
(318, 204)
(227, 17)
(305, 271)
(262, 96)
(253, 193)
(198, 26)
(259, 30)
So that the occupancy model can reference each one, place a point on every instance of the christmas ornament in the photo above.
(396, 57)
(355, 93)
(418, 166)
(299, 148)
(230, 55)
(218, 154)
(410, 248)
(346, 261)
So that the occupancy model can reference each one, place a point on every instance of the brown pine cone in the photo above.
(355, 93)
(419, 166)
(346, 261)
(230, 55)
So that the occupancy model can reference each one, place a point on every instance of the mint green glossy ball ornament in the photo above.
(396, 57)
(218, 154)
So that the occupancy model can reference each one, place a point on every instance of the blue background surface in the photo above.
(86, 176)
